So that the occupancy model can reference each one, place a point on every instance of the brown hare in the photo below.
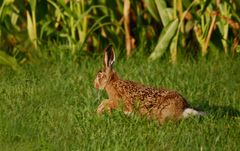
(160, 104)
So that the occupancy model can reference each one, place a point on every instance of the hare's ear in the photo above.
(109, 57)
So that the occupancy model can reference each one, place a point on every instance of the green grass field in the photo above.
(52, 106)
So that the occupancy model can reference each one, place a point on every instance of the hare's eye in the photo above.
(99, 75)
(102, 75)
(100, 72)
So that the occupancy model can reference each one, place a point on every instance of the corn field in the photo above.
(158, 26)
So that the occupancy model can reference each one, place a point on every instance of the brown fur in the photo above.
(160, 104)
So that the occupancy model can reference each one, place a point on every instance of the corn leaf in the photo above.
(95, 26)
(163, 11)
(5, 59)
(67, 9)
(31, 29)
(165, 38)
(152, 9)
(33, 4)
(238, 49)
(173, 49)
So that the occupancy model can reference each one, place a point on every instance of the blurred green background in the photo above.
(30, 29)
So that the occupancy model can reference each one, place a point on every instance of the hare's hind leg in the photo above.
(108, 105)
(170, 112)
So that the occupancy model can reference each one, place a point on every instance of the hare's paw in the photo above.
(102, 107)
(106, 105)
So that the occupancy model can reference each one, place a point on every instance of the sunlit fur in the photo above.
(100, 80)
(157, 103)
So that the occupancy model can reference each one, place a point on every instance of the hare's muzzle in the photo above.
(96, 84)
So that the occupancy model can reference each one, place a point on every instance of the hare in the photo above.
(159, 104)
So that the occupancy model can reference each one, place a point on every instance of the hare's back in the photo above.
(137, 91)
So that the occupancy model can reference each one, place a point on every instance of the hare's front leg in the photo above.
(108, 105)
(128, 107)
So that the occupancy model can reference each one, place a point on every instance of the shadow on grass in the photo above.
(220, 111)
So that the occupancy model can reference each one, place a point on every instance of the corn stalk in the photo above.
(126, 17)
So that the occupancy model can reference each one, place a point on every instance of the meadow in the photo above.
(51, 105)
(51, 50)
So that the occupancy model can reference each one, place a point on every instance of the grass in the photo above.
(52, 106)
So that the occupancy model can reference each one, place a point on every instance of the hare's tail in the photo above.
(192, 112)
